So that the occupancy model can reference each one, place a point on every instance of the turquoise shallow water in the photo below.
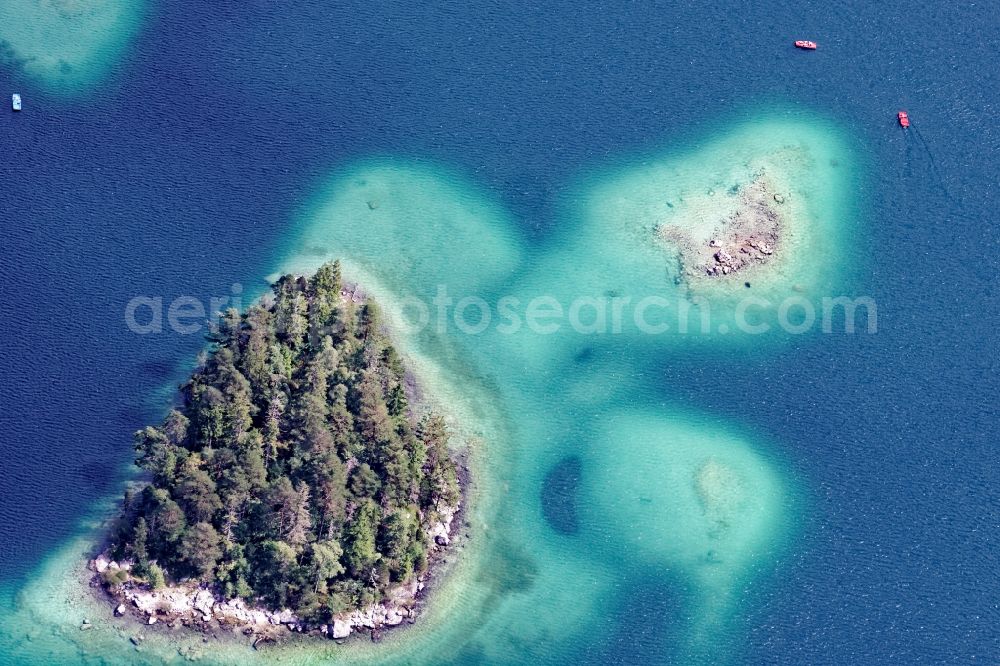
(638, 499)
(659, 490)
(662, 496)
(68, 46)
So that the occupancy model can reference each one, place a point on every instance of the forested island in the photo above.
(295, 484)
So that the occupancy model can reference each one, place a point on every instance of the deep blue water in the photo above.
(187, 170)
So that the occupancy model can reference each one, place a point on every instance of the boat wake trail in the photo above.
(932, 162)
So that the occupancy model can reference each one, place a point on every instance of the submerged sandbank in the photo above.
(67, 45)
(697, 502)
(412, 226)
(684, 490)
(714, 235)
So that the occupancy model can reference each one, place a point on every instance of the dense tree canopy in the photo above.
(295, 474)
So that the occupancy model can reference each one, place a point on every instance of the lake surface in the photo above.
(224, 144)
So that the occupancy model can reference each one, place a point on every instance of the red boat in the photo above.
(805, 44)
(904, 120)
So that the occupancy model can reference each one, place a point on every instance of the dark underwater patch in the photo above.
(511, 571)
(559, 495)
(98, 474)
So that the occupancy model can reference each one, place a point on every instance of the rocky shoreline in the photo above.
(198, 607)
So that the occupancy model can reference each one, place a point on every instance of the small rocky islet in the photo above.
(751, 235)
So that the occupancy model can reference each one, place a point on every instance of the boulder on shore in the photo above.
(101, 563)
(340, 629)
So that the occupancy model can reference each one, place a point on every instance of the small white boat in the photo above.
(15, 102)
